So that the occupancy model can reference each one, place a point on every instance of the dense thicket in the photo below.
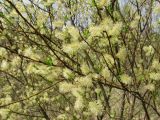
(79, 60)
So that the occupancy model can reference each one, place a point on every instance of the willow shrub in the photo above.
(79, 60)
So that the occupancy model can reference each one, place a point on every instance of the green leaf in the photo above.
(86, 33)
(110, 9)
(93, 3)
(49, 61)
(125, 29)
(141, 78)
(1, 14)
(66, 18)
